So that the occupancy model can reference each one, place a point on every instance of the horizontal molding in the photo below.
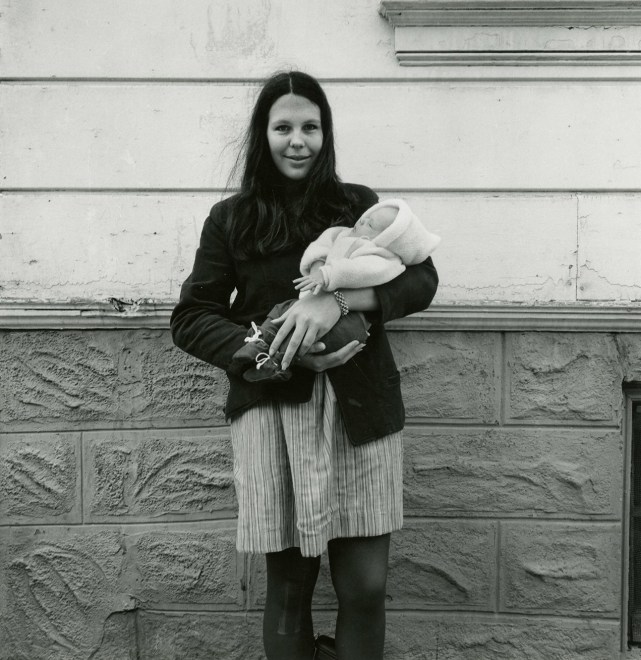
(470, 318)
(542, 13)
(514, 58)
(515, 32)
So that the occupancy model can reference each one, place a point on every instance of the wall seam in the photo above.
(503, 378)
(576, 258)
(82, 479)
(497, 583)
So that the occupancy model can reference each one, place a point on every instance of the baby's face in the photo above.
(370, 225)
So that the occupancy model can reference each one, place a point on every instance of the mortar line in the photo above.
(503, 388)
(442, 611)
(409, 518)
(137, 632)
(497, 577)
(247, 580)
(221, 432)
(82, 478)
(118, 523)
(492, 516)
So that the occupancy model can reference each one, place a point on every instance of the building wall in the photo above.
(119, 124)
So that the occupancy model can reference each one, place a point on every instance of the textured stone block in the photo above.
(72, 379)
(563, 377)
(159, 475)
(58, 588)
(194, 563)
(570, 569)
(471, 637)
(443, 564)
(409, 636)
(449, 375)
(513, 471)
(174, 385)
(63, 377)
(119, 639)
(199, 636)
(433, 564)
(414, 636)
(629, 346)
(40, 478)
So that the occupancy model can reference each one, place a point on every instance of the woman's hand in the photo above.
(307, 320)
(320, 363)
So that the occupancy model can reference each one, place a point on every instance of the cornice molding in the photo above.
(515, 32)
(446, 318)
(508, 13)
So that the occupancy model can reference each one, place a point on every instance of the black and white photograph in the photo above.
(320, 330)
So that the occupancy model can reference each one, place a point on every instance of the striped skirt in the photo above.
(300, 482)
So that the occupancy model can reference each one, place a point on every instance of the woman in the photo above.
(318, 458)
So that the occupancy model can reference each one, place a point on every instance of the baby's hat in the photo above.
(406, 236)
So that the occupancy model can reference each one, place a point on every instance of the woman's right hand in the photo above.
(320, 363)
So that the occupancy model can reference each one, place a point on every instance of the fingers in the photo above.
(295, 342)
(343, 355)
(285, 328)
(323, 362)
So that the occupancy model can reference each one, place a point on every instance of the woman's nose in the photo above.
(296, 139)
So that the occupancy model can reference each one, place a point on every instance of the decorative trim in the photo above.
(555, 58)
(508, 13)
(515, 32)
(446, 318)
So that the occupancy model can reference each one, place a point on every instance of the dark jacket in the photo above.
(205, 325)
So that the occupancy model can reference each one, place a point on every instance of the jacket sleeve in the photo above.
(412, 291)
(200, 323)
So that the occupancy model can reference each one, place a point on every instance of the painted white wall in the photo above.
(120, 120)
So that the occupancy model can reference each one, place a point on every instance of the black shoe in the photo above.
(325, 648)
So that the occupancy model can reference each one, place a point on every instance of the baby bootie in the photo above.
(267, 367)
(245, 357)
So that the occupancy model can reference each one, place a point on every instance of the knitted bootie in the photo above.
(245, 357)
(267, 368)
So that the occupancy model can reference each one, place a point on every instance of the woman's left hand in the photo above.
(307, 319)
(319, 363)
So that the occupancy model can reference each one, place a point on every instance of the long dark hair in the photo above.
(264, 219)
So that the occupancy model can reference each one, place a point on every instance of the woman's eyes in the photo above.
(308, 128)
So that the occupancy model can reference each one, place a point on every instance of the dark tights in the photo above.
(359, 575)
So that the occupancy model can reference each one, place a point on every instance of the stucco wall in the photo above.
(119, 122)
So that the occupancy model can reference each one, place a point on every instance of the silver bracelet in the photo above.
(342, 303)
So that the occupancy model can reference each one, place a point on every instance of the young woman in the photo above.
(317, 458)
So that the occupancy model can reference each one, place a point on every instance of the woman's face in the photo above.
(295, 135)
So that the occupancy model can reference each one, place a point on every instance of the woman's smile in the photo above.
(295, 135)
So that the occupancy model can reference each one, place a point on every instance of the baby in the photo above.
(386, 238)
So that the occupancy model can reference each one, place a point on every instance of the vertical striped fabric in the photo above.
(300, 482)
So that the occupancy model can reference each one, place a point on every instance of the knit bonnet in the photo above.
(406, 236)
